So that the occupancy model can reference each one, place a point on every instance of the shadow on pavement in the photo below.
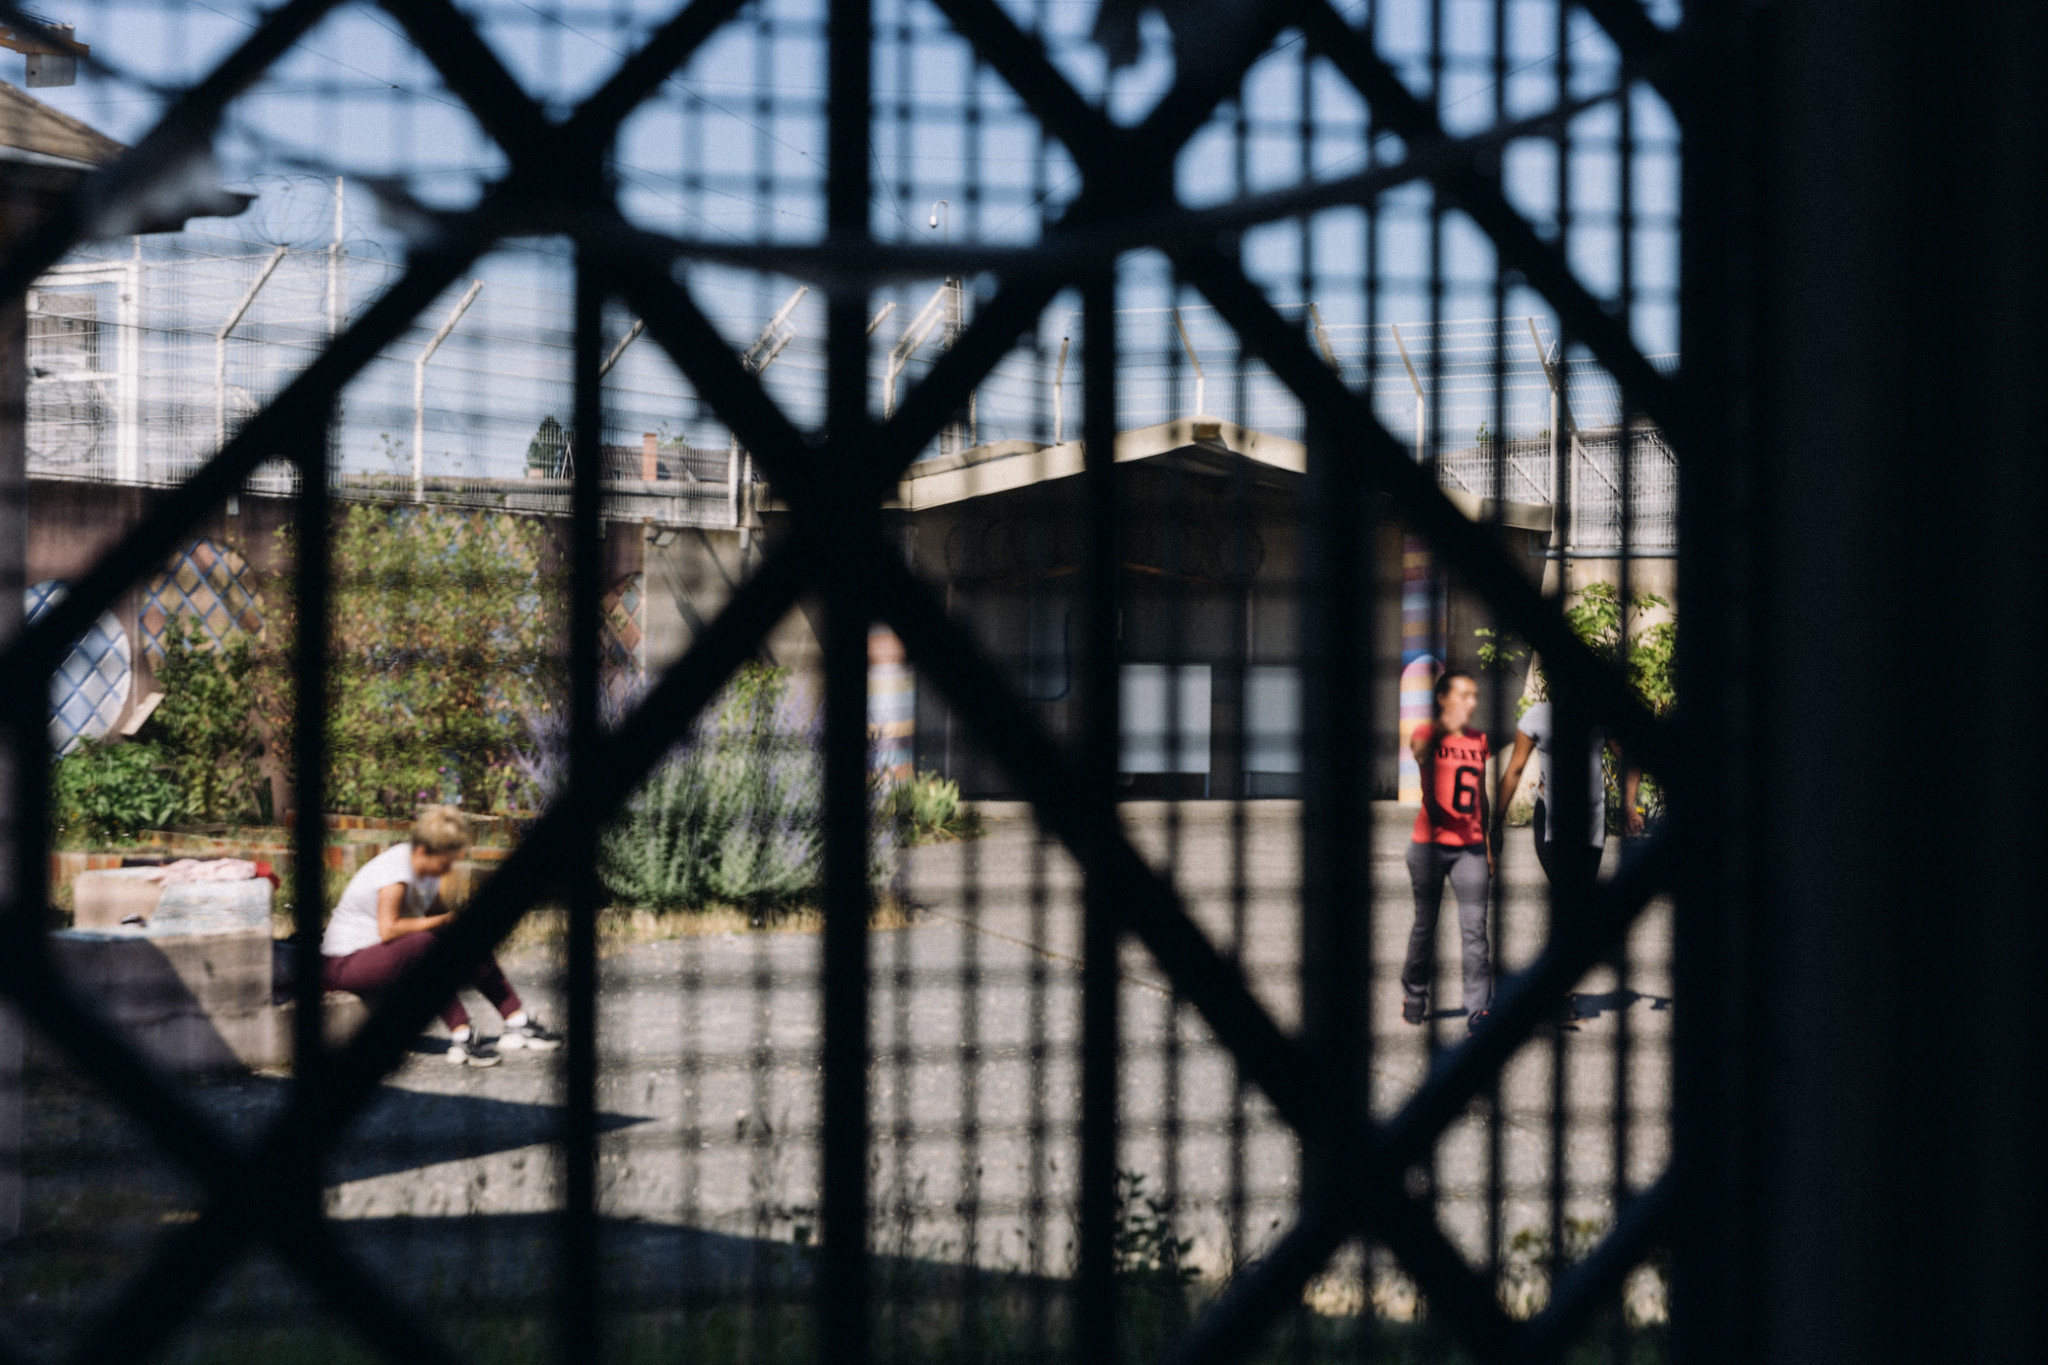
(1593, 1006)
(405, 1129)
(487, 1257)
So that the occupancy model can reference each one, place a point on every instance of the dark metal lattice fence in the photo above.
(1123, 1076)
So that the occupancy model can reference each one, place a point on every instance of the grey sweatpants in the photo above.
(1428, 864)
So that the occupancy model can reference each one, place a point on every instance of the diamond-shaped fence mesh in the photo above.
(90, 688)
(208, 586)
(974, 680)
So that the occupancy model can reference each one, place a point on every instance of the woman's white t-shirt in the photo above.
(1536, 723)
(353, 926)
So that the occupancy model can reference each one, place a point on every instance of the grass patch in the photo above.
(623, 927)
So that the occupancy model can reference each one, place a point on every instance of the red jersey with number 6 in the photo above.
(1460, 772)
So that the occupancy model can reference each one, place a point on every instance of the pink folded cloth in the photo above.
(202, 870)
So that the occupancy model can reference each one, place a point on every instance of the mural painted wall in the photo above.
(1422, 647)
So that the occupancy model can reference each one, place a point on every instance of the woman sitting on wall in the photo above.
(388, 916)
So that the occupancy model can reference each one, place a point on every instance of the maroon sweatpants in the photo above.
(374, 969)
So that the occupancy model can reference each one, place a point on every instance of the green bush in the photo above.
(443, 659)
(110, 790)
(928, 808)
(1148, 1244)
(735, 817)
(1650, 661)
(202, 725)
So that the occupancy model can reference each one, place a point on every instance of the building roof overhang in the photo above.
(1005, 466)
(1206, 444)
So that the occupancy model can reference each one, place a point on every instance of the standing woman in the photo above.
(1451, 840)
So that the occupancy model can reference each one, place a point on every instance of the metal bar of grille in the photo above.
(1095, 1312)
(313, 571)
(1336, 847)
(1336, 894)
(1354, 1170)
(581, 1337)
(1480, 196)
(1717, 915)
(1646, 50)
(474, 73)
(843, 1276)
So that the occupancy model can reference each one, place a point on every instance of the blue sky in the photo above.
(732, 149)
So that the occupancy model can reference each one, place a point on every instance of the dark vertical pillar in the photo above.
(1862, 939)
(1715, 1047)
(1095, 1340)
(312, 571)
(849, 528)
(581, 1319)
(21, 845)
(1336, 892)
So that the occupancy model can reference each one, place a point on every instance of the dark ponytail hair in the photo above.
(1442, 689)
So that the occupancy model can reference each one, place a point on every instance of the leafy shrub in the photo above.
(443, 656)
(735, 816)
(928, 808)
(1650, 662)
(202, 725)
(111, 790)
(1596, 618)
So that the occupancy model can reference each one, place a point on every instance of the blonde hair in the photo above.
(440, 829)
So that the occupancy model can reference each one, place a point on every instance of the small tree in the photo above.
(105, 789)
(544, 451)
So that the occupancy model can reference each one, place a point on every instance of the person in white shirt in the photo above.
(387, 918)
(1567, 867)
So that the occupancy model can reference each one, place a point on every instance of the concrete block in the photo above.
(192, 986)
(342, 1016)
(105, 899)
(102, 899)
(194, 1002)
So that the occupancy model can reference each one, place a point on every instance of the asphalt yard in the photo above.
(710, 1080)
(710, 1085)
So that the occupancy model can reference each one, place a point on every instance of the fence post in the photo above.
(17, 835)
(220, 347)
(419, 393)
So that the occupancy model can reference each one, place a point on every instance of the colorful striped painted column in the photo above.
(1421, 652)
(892, 707)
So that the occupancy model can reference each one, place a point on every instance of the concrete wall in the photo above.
(690, 574)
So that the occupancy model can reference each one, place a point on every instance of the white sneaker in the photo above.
(475, 1050)
(532, 1035)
